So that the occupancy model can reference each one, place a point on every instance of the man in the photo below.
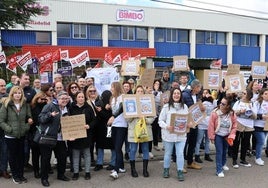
(190, 97)
(166, 81)
(3, 146)
(82, 84)
(37, 85)
(184, 82)
(57, 78)
(14, 80)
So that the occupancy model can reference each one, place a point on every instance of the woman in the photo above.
(72, 90)
(209, 104)
(37, 104)
(245, 117)
(82, 145)
(49, 91)
(133, 144)
(104, 112)
(15, 120)
(119, 128)
(221, 132)
(261, 109)
(49, 120)
(175, 105)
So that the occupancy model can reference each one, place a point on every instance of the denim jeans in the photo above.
(134, 147)
(76, 159)
(3, 154)
(200, 135)
(118, 136)
(260, 139)
(101, 156)
(179, 154)
(221, 149)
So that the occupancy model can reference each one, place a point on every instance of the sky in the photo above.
(251, 8)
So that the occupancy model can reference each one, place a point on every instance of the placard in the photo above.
(233, 69)
(164, 98)
(266, 126)
(179, 123)
(212, 79)
(138, 105)
(259, 70)
(180, 63)
(195, 114)
(234, 83)
(147, 77)
(130, 68)
(72, 127)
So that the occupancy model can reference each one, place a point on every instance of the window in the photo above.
(171, 35)
(42, 37)
(235, 39)
(113, 32)
(95, 32)
(200, 37)
(183, 36)
(142, 33)
(80, 31)
(210, 37)
(159, 35)
(245, 40)
(254, 40)
(63, 30)
(221, 38)
(128, 33)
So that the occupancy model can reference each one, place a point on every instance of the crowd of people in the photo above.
(232, 121)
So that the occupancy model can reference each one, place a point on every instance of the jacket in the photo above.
(14, 123)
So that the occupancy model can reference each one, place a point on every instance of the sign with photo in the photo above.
(130, 68)
(179, 123)
(195, 114)
(212, 79)
(233, 69)
(234, 83)
(147, 77)
(180, 63)
(72, 127)
(259, 70)
(164, 98)
(138, 105)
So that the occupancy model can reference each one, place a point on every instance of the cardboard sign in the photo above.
(72, 127)
(259, 70)
(164, 98)
(147, 77)
(266, 126)
(195, 114)
(138, 105)
(233, 69)
(179, 123)
(130, 68)
(212, 79)
(234, 83)
(180, 63)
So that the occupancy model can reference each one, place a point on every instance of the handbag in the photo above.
(140, 131)
(37, 135)
(46, 140)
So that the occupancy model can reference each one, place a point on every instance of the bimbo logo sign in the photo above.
(130, 15)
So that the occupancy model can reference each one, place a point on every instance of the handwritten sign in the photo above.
(259, 70)
(130, 67)
(180, 63)
(233, 69)
(72, 127)
(147, 77)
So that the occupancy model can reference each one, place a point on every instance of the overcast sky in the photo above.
(254, 8)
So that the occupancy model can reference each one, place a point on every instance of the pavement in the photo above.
(244, 177)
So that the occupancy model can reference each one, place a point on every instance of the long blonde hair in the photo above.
(11, 93)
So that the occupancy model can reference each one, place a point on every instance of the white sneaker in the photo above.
(151, 155)
(220, 175)
(114, 175)
(226, 168)
(122, 170)
(259, 161)
(236, 166)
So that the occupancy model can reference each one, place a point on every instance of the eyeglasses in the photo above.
(92, 91)
(51, 90)
(2, 85)
(43, 99)
(74, 87)
(223, 104)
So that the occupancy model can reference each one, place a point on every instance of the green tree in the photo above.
(13, 12)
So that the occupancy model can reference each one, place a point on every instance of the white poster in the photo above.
(103, 77)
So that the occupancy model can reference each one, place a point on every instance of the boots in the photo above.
(197, 159)
(180, 175)
(145, 165)
(133, 170)
(166, 173)
(37, 174)
(207, 158)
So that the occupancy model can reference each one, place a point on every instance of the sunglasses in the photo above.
(43, 99)
(74, 87)
(223, 104)
(92, 91)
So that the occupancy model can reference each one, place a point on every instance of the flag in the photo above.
(108, 58)
(117, 60)
(12, 62)
(137, 57)
(80, 59)
(2, 57)
(98, 65)
(64, 55)
(45, 61)
(216, 64)
(56, 56)
(25, 60)
(126, 56)
(33, 68)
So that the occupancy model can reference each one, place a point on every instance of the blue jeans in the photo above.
(179, 154)
(3, 155)
(76, 159)
(200, 135)
(221, 149)
(101, 156)
(134, 147)
(260, 139)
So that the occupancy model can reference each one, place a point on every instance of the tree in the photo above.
(13, 12)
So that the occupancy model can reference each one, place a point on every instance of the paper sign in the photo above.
(72, 127)
(147, 77)
(130, 67)
(266, 126)
(195, 114)
(233, 69)
(180, 63)
(234, 83)
(259, 70)
(212, 79)
(179, 123)
(164, 98)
